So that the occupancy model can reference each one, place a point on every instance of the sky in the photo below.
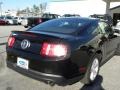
(84, 7)
(21, 4)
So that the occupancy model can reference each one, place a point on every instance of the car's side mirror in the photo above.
(108, 29)
(116, 30)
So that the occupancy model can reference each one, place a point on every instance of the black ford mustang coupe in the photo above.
(62, 51)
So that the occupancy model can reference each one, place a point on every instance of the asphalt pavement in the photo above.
(109, 78)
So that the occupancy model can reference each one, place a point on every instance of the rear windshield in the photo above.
(49, 16)
(64, 25)
(8, 17)
(70, 15)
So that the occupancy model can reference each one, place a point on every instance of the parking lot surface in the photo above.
(109, 77)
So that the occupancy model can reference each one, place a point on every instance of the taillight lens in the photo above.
(39, 20)
(11, 41)
(53, 50)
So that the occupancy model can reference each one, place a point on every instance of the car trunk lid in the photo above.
(32, 41)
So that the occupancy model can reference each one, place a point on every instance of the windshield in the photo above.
(63, 25)
(15, 17)
(22, 18)
(8, 17)
(1, 17)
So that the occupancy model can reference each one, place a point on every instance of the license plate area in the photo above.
(23, 63)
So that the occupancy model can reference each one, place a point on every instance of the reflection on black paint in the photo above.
(96, 85)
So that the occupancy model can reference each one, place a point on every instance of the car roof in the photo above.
(82, 18)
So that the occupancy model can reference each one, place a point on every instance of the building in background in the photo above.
(9, 13)
(115, 13)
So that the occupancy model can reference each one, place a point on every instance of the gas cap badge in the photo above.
(25, 44)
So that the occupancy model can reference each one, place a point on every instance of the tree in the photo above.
(27, 10)
(43, 7)
(18, 12)
(35, 10)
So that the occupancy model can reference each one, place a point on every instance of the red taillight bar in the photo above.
(11, 41)
(53, 50)
(39, 20)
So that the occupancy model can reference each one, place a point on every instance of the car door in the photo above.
(111, 42)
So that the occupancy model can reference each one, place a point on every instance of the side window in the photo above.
(93, 29)
(105, 28)
(90, 29)
(102, 27)
(97, 30)
(86, 30)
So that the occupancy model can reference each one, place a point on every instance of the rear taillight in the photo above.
(39, 20)
(11, 41)
(53, 50)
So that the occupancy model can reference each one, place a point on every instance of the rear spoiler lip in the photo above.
(21, 32)
(34, 34)
(45, 34)
(15, 33)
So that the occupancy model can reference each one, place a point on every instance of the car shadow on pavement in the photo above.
(96, 85)
(2, 63)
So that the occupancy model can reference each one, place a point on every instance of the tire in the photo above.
(19, 23)
(92, 70)
(26, 26)
(8, 23)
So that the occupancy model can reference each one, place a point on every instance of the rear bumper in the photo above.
(57, 79)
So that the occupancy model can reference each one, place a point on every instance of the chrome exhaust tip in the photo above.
(51, 83)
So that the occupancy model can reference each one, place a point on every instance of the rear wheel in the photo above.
(26, 26)
(92, 71)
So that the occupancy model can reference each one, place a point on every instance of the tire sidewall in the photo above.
(86, 79)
